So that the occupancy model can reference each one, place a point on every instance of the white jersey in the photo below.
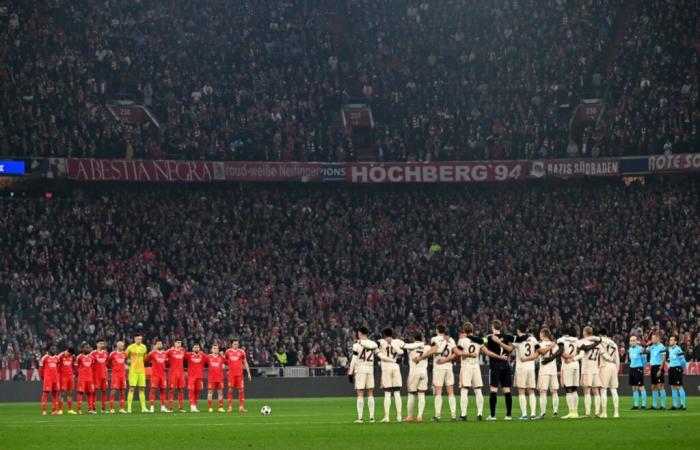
(444, 345)
(523, 350)
(551, 367)
(469, 346)
(570, 345)
(363, 357)
(610, 357)
(590, 360)
(389, 352)
(417, 349)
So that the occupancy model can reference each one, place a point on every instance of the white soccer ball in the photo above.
(265, 410)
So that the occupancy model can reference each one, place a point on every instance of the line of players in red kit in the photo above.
(167, 375)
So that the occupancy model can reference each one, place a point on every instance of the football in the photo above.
(265, 410)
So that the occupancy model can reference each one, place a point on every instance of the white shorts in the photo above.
(545, 382)
(524, 378)
(608, 377)
(391, 376)
(570, 374)
(590, 380)
(470, 377)
(364, 381)
(417, 380)
(443, 377)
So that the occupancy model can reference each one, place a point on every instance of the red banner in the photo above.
(440, 172)
(688, 162)
(565, 168)
(191, 171)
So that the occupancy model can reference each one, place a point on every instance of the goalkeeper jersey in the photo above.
(136, 354)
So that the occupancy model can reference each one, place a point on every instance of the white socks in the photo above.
(410, 403)
(522, 400)
(543, 402)
(587, 402)
(603, 401)
(370, 406)
(555, 402)
(360, 407)
(387, 404)
(421, 403)
(464, 400)
(452, 401)
(438, 405)
(596, 402)
(479, 402)
(533, 404)
(397, 402)
(616, 401)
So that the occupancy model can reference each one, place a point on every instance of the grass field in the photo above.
(327, 424)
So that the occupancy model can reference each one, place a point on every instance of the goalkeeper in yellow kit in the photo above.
(135, 354)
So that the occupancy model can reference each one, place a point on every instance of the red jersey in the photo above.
(84, 363)
(49, 367)
(99, 364)
(176, 360)
(234, 360)
(66, 362)
(117, 361)
(195, 365)
(158, 359)
(216, 368)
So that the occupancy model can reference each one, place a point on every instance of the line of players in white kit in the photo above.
(591, 362)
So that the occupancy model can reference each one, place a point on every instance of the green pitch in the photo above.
(327, 424)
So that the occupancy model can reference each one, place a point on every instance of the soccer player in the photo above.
(657, 358)
(66, 361)
(638, 361)
(361, 373)
(676, 365)
(117, 362)
(176, 359)
(568, 349)
(441, 347)
(590, 371)
(417, 381)
(86, 383)
(99, 372)
(158, 359)
(236, 362)
(470, 371)
(499, 370)
(609, 368)
(525, 381)
(390, 352)
(547, 378)
(48, 371)
(195, 373)
(135, 354)
(215, 361)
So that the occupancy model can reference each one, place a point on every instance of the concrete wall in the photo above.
(30, 391)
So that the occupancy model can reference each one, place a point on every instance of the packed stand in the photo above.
(295, 269)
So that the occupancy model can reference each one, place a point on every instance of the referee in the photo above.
(637, 363)
(676, 364)
(657, 358)
(499, 369)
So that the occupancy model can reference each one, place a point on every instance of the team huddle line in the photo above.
(167, 375)
(591, 362)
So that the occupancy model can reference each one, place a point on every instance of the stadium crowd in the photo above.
(293, 269)
(449, 80)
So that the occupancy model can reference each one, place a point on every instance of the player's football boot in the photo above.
(163, 409)
(70, 411)
(604, 415)
(371, 420)
(673, 408)
(398, 419)
(573, 415)
(221, 410)
(490, 418)
(112, 411)
(462, 418)
(683, 408)
(634, 408)
(151, 409)
(54, 413)
(122, 411)
(508, 418)
(80, 412)
(385, 420)
(242, 410)
(211, 409)
(419, 419)
(435, 419)
(616, 415)
(194, 409)
(60, 412)
(358, 421)
(533, 417)
(408, 419)
(524, 418)
(555, 414)
(479, 418)
(182, 410)
(92, 412)
(43, 413)
(230, 409)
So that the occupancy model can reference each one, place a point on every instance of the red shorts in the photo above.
(118, 382)
(195, 384)
(177, 381)
(101, 384)
(215, 385)
(235, 382)
(51, 385)
(158, 382)
(67, 384)
(86, 386)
